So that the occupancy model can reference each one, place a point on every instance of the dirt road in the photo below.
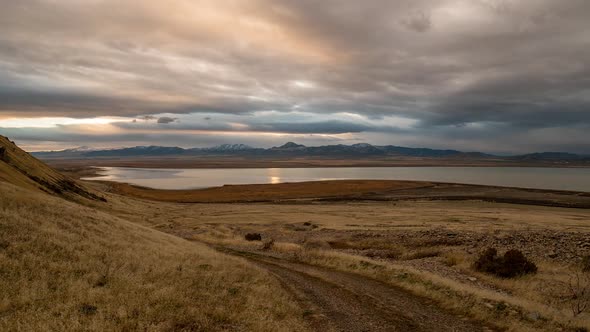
(340, 301)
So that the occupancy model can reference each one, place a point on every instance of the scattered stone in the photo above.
(534, 316)
(472, 279)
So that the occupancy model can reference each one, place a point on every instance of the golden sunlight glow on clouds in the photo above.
(53, 122)
(462, 74)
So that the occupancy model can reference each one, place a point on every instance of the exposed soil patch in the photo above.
(340, 301)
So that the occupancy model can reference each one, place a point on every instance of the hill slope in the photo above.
(68, 267)
(25, 171)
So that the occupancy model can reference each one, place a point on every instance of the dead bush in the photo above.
(339, 244)
(512, 264)
(424, 253)
(453, 258)
(88, 309)
(574, 292)
(253, 237)
(316, 244)
(578, 292)
(268, 244)
(387, 253)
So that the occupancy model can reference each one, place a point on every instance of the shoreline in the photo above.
(385, 174)
(325, 192)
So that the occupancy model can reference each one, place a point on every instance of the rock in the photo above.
(472, 279)
(534, 316)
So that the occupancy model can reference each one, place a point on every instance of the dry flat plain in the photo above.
(415, 239)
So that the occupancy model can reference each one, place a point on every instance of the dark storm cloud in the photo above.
(328, 127)
(252, 124)
(166, 120)
(467, 71)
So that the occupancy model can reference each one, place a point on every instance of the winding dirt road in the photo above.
(341, 301)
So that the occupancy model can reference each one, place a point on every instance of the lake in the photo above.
(577, 179)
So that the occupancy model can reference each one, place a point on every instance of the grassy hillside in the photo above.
(68, 267)
(23, 170)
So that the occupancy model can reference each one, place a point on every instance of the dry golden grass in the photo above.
(68, 267)
(510, 311)
(23, 170)
(528, 303)
(17, 167)
(509, 303)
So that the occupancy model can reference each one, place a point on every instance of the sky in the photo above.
(498, 76)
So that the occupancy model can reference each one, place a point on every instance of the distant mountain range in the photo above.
(292, 149)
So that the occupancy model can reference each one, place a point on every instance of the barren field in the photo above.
(320, 256)
(423, 244)
(265, 192)
(355, 190)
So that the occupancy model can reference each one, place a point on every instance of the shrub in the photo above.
(515, 263)
(512, 264)
(316, 244)
(253, 237)
(387, 253)
(423, 253)
(268, 244)
(88, 309)
(340, 244)
(453, 258)
(578, 292)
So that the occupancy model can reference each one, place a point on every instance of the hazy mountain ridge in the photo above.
(299, 150)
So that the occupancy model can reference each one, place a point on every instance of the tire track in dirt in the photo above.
(341, 301)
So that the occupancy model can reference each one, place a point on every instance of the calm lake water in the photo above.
(577, 179)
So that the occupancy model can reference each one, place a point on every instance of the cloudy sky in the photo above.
(504, 76)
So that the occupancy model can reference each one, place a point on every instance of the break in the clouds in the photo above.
(490, 75)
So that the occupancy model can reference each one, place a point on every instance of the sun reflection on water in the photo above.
(274, 175)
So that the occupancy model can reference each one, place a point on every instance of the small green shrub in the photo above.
(512, 264)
